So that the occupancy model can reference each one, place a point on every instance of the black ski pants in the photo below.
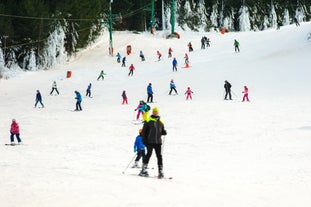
(158, 149)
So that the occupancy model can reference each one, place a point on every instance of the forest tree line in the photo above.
(26, 25)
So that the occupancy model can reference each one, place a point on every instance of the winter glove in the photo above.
(164, 132)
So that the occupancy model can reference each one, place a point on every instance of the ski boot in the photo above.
(144, 172)
(135, 165)
(160, 174)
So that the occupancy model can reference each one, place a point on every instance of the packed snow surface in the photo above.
(219, 153)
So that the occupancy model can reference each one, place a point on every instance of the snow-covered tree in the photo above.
(244, 22)
(32, 66)
(286, 19)
(273, 17)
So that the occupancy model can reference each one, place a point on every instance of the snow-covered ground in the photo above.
(220, 153)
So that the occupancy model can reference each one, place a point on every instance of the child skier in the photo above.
(101, 75)
(174, 64)
(88, 90)
(173, 87)
(186, 59)
(143, 109)
(139, 147)
(170, 52)
(118, 57)
(159, 55)
(54, 87)
(140, 109)
(236, 46)
(131, 68)
(190, 47)
(124, 97)
(245, 94)
(142, 56)
(123, 61)
(188, 92)
(15, 131)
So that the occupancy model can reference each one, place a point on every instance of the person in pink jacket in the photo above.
(15, 131)
(245, 94)
(188, 92)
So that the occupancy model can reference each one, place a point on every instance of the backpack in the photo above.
(148, 107)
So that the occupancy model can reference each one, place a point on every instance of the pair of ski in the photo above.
(12, 144)
(158, 177)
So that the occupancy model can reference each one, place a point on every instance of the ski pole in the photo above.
(129, 164)
(163, 144)
(234, 94)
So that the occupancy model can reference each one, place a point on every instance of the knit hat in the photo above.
(155, 110)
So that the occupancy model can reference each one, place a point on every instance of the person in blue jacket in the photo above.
(139, 147)
(174, 64)
(173, 87)
(79, 100)
(123, 61)
(149, 93)
(142, 56)
(88, 90)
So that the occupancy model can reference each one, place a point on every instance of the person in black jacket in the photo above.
(151, 134)
(39, 99)
(227, 87)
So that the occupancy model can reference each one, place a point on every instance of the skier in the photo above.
(39, 99)
(79, 100)
(143, 109)
(151, 134)
(159, 55)
(131, 68)
(170, 52)
(174, 64)
(203, 43)
(118, 57)
(173, 87)
(245, 94)
(140, 109)
(54, 87)
(186, 59)
(139, 147)
(15, 131)
(188, 92)
(101, 75)
(208, 42)
(88, 90)
(149, 93)
(124, 97)
(236, 46)
(123, 61)
(227, 87)
(190, 47)
(142, 56)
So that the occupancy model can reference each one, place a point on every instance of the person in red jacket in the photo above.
(131, 68)
(15, 131)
